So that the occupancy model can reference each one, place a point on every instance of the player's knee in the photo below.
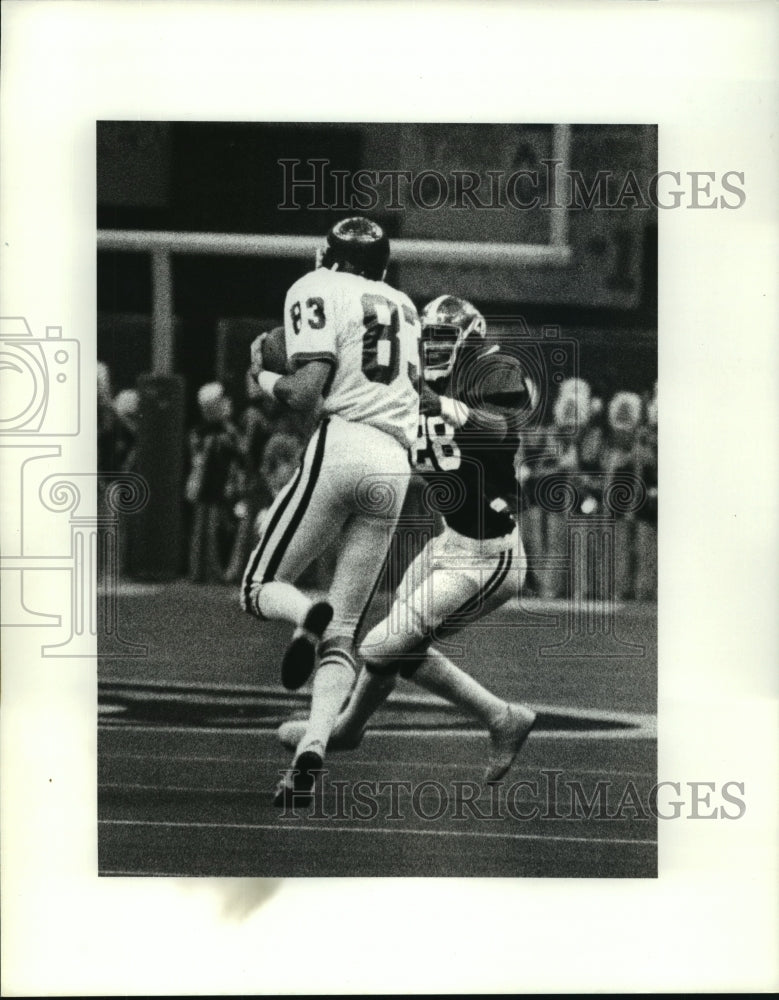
(406, 665)
(391, 654)
(386, 644)
(379, 653)
(381, 668)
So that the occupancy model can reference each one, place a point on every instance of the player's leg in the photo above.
(262, 592)
(356, 571)
(365, 540)
(438, 593)
(391, 640)
(398, 640)
(456, 590)
(498, 576)
(508, 723)
(364, 545)
(300, 524)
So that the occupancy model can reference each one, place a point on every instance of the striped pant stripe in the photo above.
(337, 655)
(284, 501)
(316, 465)
(288, 494)
(459, 618)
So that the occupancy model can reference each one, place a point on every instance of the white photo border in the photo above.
(706, 74)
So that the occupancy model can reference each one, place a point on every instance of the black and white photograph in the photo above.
(378, 425)
(346, 351)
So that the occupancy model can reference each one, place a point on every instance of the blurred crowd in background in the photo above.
(238, 462)
(604, 455)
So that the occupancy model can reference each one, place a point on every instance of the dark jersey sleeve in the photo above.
(495, 382)
(506, 387)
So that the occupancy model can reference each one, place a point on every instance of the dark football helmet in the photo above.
(447, 322)
(356, 245)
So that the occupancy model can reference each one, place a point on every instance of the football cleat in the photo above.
(290, 734)
(447, 322)
(356, 245)
(296, 787)
(507, 739)
(297, 665)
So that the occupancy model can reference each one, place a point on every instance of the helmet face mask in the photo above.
(447, 322)
(440, 344)
(358, 246)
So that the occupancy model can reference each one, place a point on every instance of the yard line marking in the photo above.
(342, 760)
(641, 731)
(281, 825)
(340, 757)
(277, 699)
(177, 788)
(226, 789)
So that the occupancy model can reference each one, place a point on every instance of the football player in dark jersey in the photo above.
(471, 408)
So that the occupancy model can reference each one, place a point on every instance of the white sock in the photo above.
(332, 683)
(279, 600)
(370, 692)
(440, 676)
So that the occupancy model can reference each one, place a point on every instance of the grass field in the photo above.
(188, 756)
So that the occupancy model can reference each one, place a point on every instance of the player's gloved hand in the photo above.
(255, 350)
(429, 402)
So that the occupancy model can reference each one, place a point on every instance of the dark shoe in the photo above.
(300, 657)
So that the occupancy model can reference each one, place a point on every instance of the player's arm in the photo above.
(495, 412)
(310, 342)
(302, 390)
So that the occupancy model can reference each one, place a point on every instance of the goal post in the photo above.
(162, 245)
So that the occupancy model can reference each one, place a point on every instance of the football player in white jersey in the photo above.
(352, 345)
(472, 408)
